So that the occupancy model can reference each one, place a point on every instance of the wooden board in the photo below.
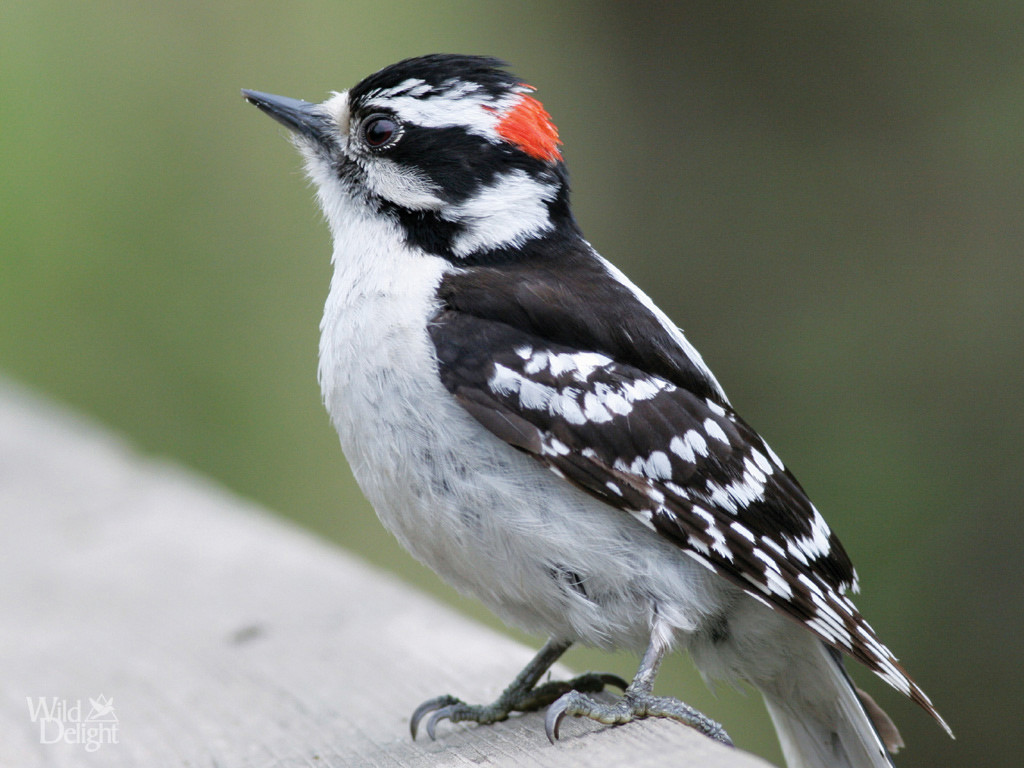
(221, 636)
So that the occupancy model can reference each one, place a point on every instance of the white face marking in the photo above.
(466, 105)
(384, 178)
(334, 199)
(337, 109)
(411, 87)
(509, 212)
(401, 184)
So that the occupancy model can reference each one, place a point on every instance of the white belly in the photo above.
(488, 519)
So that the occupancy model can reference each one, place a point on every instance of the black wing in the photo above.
(680, 461)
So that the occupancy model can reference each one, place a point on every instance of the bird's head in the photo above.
(455, 149)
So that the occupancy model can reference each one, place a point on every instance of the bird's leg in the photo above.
(637, 701)
(522, 695)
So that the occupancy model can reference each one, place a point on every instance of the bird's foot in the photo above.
(512, 700)
(629, 707)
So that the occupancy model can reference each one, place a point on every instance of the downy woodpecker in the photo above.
(534, 429)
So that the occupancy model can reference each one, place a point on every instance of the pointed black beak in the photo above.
(300, 116)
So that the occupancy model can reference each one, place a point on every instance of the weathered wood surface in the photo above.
(224, 637)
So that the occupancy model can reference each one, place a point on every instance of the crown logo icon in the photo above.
(102, 709)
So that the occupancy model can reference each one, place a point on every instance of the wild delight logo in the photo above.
(61, 720)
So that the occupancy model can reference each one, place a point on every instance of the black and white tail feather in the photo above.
(532, 427)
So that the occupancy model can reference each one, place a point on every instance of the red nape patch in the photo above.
(528, 126)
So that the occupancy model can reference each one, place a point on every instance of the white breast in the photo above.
(488, 519)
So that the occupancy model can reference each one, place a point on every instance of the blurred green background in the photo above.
(828, 198)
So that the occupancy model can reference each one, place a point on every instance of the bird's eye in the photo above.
(380, 130)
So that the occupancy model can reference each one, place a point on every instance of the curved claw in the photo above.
(555, 715)
(426, 707)
(441, 714)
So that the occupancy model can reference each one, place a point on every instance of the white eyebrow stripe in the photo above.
(465, 105)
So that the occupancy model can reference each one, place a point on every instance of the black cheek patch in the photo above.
(455, 161)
